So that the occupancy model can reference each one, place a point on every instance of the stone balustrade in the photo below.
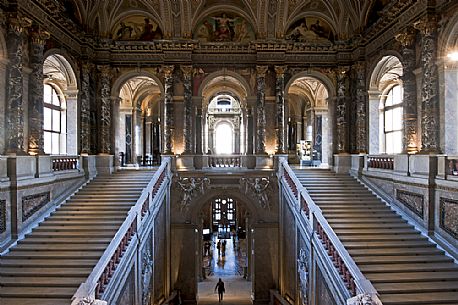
(64, 163)
(225, 161)
(380, 162)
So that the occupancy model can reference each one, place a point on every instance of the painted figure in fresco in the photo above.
(149, 31)
(124, 32)
(223, 28)
(241, 31)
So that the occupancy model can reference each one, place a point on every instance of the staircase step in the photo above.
(408, 267)
(48, 281)
(38, 292)
(34, 301)
(434, 298)
(413, 276)
(418, 287)
(48, 262)
(395, 251)
(33, 271)
(395, 259)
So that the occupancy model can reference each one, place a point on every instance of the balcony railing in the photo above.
(225, 161)
(64, 163)
(380, 162)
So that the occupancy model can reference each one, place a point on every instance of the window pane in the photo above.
(397, 95)
(55, 143)
(47, 140)
(389, 143)
(397, 118)
(47, 118)
(55, 98)
(397, 142)
(218, 216)
(63, 122)
(47, 93)
(388, 120)
(56, 120)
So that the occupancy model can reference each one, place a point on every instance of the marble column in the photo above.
(261, 110)
(407, 40)
(430, 141)
(361, 108)
(85, 108)
(280, 102)
(250, 138)
(14, 89)
(36, 141)
(341, 111)
(105, 109)
(198, 131)
(187, 95)
(168, 109)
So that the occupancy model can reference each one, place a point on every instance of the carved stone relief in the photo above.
(363, 299)
(448, 218)
(411, 200)
(190, 188)
(33, 203)
(105, 109)
(147, 271)
(258, 189)
(303, 271)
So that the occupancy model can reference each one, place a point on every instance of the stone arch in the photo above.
(69, 67)
(245, 87)
(123, 78)
(374, 66)
(328, 83)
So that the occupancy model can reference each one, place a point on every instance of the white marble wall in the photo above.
(450, 114)
(374, 122)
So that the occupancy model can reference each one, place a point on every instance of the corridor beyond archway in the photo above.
(230, 269)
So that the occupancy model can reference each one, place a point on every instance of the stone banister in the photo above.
(92, 289)
(63, 163)
(326, 239)
(380, 161)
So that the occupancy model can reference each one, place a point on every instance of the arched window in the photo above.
(224, 138)
(55, 122)
(392, 120)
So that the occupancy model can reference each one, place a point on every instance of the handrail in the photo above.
(352, 276)
(99, 278)
(63, 163)
(380, 161)
(224, 160)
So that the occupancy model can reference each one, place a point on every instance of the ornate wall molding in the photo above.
(2, 216)
(190, 188)
(448, 216)
(413, 201)
(32, 203)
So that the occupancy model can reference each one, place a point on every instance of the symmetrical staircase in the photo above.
(47, 267)
(403, 265)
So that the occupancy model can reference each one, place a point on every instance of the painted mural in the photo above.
(137, 28)
(310, 29)
(224, 27)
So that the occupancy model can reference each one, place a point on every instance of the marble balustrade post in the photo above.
(85, 108)
(105, 109)
(361, 108)
(36, 110)
(261, 111)
(430, 141)
(187, 132)
(168, 109)
(14, 89)
(342, 111)
(280, 102)
(409, 141)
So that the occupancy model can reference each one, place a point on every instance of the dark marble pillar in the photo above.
(14, 89)
(430, 125)
(198, 131)
(36, 117)
(280, 102)
(168, 109)
(85, 108)
(261, 110)
(361, 100)
(342, 111)
(407, 40)
(187, 95)
(250, 137)
(105, 109)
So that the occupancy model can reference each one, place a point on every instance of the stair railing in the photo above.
(325, 238)
(97, 282)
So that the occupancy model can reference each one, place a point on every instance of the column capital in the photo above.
(168, 70)
(18, 23)
(105, 70)
(280, 70)
(406, 37)
(341, 71)
(39, 36)
(187, 70)
(427, 24)
(261, 71)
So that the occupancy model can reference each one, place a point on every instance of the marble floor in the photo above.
(230, 269)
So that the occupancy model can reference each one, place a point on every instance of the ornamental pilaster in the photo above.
(168, 109)
(342, 110)
(187, 97)
(14, 89)
(105, 76)
(260, 109)
(430, 141)
(85, 112)
(280, 103)
(407, 40)
(35, 107)
(361, 99)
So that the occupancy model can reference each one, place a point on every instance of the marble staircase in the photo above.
(49, 264)
(402, 264)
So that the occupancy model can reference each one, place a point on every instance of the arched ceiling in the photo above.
(269, 18)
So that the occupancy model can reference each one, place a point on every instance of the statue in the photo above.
(364, 299)
(256, 187)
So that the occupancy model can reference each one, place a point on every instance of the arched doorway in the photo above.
(137, 131)
(309, 132)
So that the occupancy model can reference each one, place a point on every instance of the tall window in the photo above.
(392, 113)
(224, 138)
(55, 123)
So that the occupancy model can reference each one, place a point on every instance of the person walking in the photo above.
(221, 290)
(218, 246)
